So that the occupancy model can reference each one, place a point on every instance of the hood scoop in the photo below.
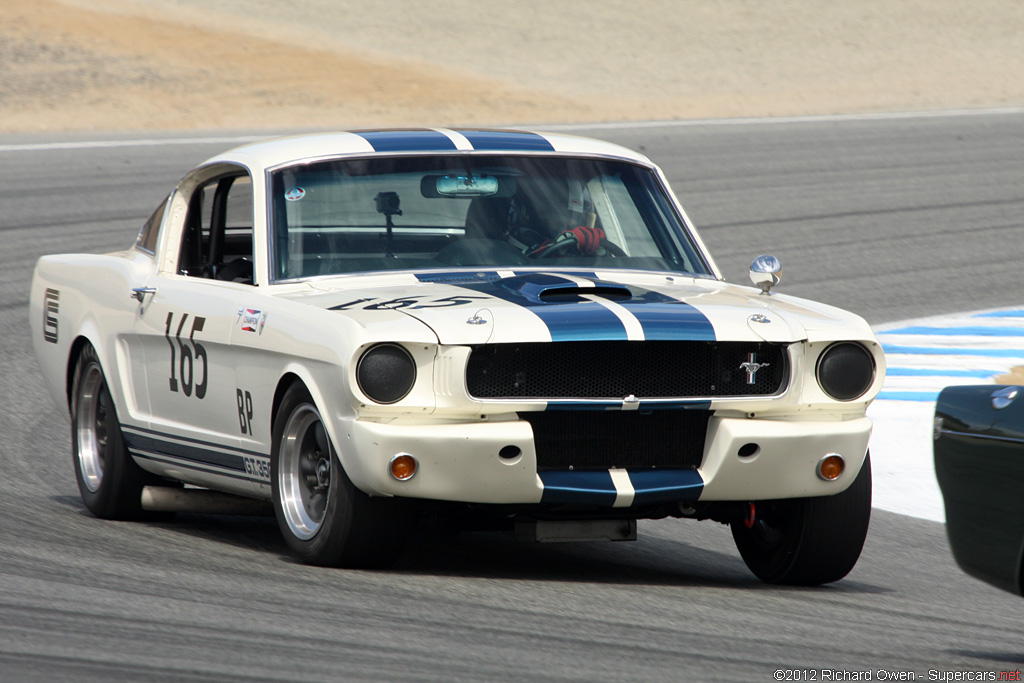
(573, 294)
(553, 289)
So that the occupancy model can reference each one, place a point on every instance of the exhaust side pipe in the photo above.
(202, 501)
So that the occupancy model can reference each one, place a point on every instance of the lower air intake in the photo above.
(601, 440)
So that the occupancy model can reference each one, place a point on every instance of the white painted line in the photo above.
(142, 142)
(823, 118)
(612, 125)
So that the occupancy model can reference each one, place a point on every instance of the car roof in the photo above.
(277, 151)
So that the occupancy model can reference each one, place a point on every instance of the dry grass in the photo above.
(177, 64)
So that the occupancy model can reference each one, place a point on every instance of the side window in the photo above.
(217, 241)
(238, 220)
(147, 239)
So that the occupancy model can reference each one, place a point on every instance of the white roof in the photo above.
(278, 151)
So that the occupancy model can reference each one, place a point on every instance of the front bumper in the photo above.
(744, 459)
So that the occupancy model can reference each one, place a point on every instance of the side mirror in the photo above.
(765, 271)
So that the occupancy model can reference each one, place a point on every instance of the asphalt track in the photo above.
(894, 218)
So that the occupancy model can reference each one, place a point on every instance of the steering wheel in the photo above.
(560, 247)
(612, 249)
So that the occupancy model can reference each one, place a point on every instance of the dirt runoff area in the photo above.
(108, 65)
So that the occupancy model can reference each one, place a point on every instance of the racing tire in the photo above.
(109, 480)
(807, 541)
(324, 518)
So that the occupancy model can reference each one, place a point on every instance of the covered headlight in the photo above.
(386, 373)
(845, 371)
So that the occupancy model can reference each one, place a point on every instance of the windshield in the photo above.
(402, 213)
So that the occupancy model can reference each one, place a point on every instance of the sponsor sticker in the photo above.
(251, 320)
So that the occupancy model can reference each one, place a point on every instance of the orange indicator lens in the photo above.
(831, 467)
(403, 467)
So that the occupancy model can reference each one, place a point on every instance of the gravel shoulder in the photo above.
(106, 65)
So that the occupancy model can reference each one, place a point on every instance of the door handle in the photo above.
(139, 293)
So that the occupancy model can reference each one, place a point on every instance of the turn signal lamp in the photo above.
(402, 467)
(831, 467)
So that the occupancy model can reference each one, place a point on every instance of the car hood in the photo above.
(533, 306)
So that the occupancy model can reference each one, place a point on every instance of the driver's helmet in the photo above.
(523, 224)
(568, 207)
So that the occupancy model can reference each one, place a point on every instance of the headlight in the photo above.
(845, 371)
(386, 373)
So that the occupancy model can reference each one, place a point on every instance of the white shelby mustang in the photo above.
(502, 327)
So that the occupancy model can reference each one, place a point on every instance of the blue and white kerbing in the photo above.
(924, 356)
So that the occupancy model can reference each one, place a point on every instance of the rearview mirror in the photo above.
(467, 186)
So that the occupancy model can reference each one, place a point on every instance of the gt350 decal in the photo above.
(257, 467)
(190, 357)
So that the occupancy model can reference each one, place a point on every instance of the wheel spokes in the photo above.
(317, 506)
(323, 459)
(320, 434)
(103, 412)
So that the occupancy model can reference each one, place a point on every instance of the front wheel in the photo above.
(324, 518)
(807, 541)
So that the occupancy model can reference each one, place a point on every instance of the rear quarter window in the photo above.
(150, 232)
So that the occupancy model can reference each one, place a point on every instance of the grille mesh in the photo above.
(617, 369)
(600, 440)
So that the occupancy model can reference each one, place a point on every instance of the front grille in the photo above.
(617, 369)
(601, 440)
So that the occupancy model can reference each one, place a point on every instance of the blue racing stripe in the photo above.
(585, 321)
(665, 486)
(408, 141)
(584, 405)
(575, 320)
(665, 318)
(154, 442)
(675, 405)
(578, 488)
(459, 277)
(555, 404)
(507, 140)
(142, 432)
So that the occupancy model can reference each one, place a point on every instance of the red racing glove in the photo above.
(588, 238)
